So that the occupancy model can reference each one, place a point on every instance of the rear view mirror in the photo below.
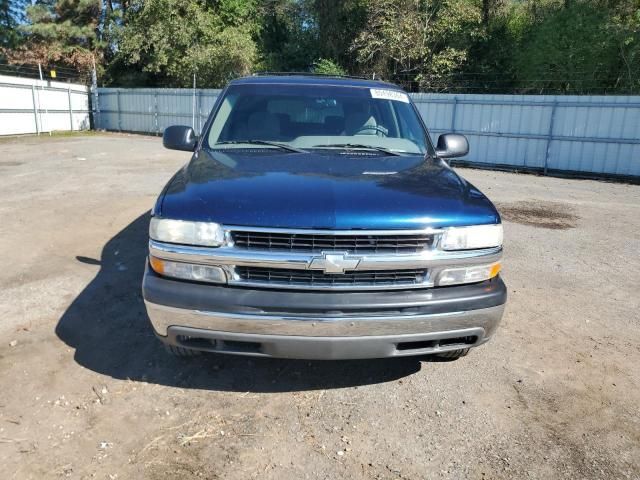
(451, 145)
(180, 137)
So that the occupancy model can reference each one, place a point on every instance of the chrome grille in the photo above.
(276, 241)
(312, 278)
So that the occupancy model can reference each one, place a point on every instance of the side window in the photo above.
(221, 121)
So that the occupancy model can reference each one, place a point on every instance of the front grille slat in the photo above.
(281, 276)
(410, 243)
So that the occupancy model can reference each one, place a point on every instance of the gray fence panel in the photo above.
(589, 134)
(151, 110)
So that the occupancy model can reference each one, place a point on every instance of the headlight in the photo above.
(476, 273)
(470, 238)
(188, 271)
(188, 233)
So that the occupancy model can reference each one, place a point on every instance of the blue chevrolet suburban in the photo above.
(316, 220)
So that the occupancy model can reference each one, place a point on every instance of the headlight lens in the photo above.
(476, 273)
(470, 238)
(188, 233)
(188, 271)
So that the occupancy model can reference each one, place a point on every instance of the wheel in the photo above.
(181, 351)
(453, 354)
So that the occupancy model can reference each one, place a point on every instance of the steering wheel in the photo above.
(380, 131)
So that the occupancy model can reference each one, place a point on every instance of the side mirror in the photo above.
(179, 137)
(451, 145)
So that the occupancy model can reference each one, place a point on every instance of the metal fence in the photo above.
(151, 110)
(585, 134)
(34, 106)
(575, 134)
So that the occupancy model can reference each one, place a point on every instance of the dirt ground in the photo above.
(86, 391)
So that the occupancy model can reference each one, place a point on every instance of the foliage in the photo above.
(624, 28)
(62, 32)
(336, 25)
(324, 66)
(173, 40)
(421, 42)
(287, 39)
(11, 15)
(537, 46)
(579, 48)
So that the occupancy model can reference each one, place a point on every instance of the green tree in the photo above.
(288, 40)
(419, 43)
(537, 46)
(325, 66)
(63, 32)
(624, 27)
(336, 25)
(168, 41)
(297, 32)
(490, 66)
(11, 15)
(579, 47)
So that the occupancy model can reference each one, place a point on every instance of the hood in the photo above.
(271, 188)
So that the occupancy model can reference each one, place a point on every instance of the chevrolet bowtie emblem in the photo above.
(334, 262)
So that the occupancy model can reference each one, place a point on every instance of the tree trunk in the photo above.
(486, 10)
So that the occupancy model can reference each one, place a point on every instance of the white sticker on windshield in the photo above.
(396, 95)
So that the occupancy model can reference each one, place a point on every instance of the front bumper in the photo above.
(319, 325)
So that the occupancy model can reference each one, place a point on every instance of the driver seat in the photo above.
(360, 123)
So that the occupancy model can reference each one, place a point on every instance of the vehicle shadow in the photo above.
(108, 327)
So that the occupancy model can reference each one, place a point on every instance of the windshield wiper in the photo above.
(283, 146)
(358, 146)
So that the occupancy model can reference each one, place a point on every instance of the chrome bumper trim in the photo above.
(300, 260)
(162, 317)
(234, 282)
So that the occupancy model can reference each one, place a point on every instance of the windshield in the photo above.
(317, 117)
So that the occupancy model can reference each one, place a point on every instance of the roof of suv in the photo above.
(294, 79)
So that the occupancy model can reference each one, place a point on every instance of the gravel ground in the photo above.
(86, 391)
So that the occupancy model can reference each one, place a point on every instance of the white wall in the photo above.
(31, 106)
